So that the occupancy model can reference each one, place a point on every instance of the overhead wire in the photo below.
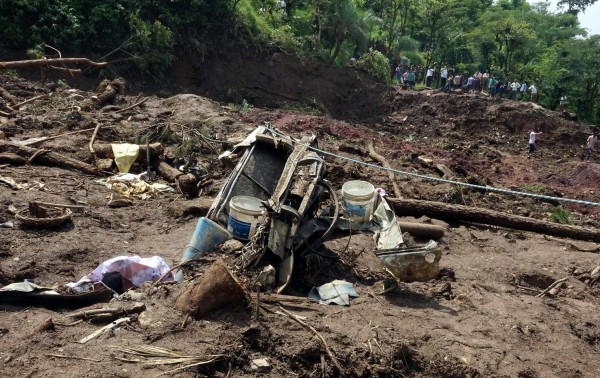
(439, 179)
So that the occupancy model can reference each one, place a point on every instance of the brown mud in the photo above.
(481, 318)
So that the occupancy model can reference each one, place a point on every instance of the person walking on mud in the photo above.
(532, 138)
(589, 145)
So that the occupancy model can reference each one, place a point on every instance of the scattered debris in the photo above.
(133, 272)
(337, 291)
(110, 326)
(260, 365)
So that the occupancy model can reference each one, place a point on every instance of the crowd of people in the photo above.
(450, 79)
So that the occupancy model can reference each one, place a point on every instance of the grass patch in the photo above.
(561, 215)
(534, 188)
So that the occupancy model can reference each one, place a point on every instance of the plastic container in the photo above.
(207, 236)
(245, 214)
(357, 199)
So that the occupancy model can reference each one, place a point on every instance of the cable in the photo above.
(438, 179)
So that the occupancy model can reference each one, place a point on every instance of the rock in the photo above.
(260, 365)
(104, 164)
(140, 117)
(197, 207)
(231, 246)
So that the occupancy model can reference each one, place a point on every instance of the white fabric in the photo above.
(532, 137)
(591, 141)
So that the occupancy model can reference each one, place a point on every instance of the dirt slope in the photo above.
(480, 318)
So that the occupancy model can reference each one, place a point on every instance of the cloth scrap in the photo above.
(125, 155)
(337, 291)
(135, 269)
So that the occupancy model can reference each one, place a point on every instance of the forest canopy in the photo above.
(508, 38)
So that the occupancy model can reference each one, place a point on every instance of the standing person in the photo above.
(444, 76)
(469, 86)
(399, 74)
(532, 137)
(589, 145)
(498, 89)
(458, 80)
(514, 88)
(448, 86)
(534, 93)
(491, 86)
(523, 90)
(486, 82)
(429, 77)
(476, 82)
(411, 78)
(563, 102)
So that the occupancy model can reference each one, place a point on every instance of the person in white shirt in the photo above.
(429, 77)
(589, 145)
(444, 76)
(532, 137)
(534, 93)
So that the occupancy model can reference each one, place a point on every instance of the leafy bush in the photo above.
(284, 38)
(561, 215)
(376, 64)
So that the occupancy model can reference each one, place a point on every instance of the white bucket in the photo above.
(357, 199)
(245, 214)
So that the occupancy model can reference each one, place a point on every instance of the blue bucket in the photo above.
(207, 236)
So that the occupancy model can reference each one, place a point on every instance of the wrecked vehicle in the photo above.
(278, 202)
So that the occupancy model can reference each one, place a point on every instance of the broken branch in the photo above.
(132, 106)
(373, 154)
(319, 336)
(17, 106)
(49, 62)
(51, 159)
(552, 286)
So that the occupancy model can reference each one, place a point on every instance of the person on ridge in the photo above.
(532, 138)
(589, 145)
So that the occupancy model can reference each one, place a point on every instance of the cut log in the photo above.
(51, 159)
(187, 183)
(49, 62)
(448, 212)
(420, 230)
(105, 151)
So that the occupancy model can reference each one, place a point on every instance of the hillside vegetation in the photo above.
(510, 38)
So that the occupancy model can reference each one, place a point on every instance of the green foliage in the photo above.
(376, 64)
(152, 44)
(561, 215)
(508, 37)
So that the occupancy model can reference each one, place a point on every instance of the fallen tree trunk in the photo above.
(187, 183)
(105, 151)
(448, 212)
(48, 158)
(50, 62)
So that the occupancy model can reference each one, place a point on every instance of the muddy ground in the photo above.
(480, 318)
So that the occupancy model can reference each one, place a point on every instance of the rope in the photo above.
(438, 179)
